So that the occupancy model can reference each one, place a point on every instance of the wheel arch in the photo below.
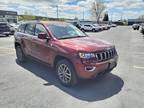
(60, 57)
(17, 44)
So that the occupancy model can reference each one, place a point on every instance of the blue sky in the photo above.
(116, 9)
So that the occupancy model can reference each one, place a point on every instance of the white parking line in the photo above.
(6, 51)
(138, 67)
(1, 55)
(139, 53)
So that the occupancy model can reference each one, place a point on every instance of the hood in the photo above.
(86, 44)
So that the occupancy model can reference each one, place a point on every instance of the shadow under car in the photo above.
(100, 88)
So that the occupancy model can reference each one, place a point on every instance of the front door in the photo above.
(40, 47)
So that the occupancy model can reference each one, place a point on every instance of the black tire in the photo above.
(82, 30)
(138, 28)
(7, 35)
(20, 55)
(93, 30)
(71, 75)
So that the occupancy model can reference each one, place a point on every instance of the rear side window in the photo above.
(21, 28)
(30, 28)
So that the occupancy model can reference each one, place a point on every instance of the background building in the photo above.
(133, 21)
(9, 16)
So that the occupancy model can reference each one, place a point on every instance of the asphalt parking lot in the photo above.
(33, 85)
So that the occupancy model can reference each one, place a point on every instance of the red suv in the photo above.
(71, 52)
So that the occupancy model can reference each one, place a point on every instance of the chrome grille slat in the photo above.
(101, 57)
(105, 55)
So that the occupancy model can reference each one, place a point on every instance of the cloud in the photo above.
(72, 8)
(126, 4)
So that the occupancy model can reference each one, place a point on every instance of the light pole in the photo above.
(83, 14)
(111, 17)
(121, 16)
(57, 11)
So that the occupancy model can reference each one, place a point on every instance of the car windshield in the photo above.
(65, 31)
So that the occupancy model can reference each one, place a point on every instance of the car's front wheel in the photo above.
(66, 73)
(20, 55)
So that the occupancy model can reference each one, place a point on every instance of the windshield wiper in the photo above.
(81, 36)
(66, 37)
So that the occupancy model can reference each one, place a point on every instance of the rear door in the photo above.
(27, 38)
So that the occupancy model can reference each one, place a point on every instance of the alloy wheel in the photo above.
(64, 73)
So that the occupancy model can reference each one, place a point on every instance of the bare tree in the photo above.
(97, 8)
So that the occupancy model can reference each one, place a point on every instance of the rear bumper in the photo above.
(97, 68)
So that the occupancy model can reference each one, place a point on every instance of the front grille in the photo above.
(4, 29)
(105, 55)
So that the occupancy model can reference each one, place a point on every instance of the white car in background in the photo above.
(142, 28)
(113, 25)
(136, 26)
(89, 27)
(102, 27)
(14, 25)
(107, 27)
(98, 26)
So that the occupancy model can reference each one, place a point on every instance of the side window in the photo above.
(40, 29)
(21, 28)
(30, 29)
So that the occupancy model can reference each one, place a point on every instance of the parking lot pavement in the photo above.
(33, 85)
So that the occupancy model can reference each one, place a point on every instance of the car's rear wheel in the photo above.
(138, 28)
(93, 30)
(82, 30)
(20, 55)
(66, 73)
(143, 32)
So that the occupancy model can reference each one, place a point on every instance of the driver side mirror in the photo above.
(43, 36)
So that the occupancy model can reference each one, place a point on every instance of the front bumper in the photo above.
(5, 33)
(95, 68)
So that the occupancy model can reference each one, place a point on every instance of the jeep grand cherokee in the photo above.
(71, 52)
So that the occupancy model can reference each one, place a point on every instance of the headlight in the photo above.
(86, 55)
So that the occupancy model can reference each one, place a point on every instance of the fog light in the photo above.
(90, 68)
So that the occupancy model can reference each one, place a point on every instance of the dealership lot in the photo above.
(33, 85)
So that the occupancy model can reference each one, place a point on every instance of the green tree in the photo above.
(106, 17)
